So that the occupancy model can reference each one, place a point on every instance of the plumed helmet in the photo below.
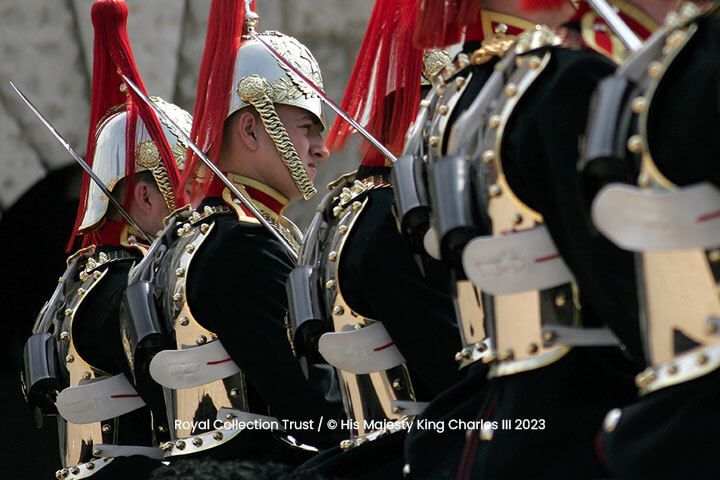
(109, 158)
(236, 72)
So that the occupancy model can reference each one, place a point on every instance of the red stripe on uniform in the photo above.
(383, 347)
(217, 362)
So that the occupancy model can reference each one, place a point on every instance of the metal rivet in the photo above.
(535, 62)
(517, 219)
(332, 256)
(549, 336)
(197, 441)
(488, 156)
(162, 428)
(68, 312)
(102, 257)
(672, 369)
(89, 465)
(714, 256)
(201, 340)
(459, 82)
(346, 444)
(711, 327)
(218, 436)
(338, 310)
(180, 445)
(97, 275)
(106, 428)
(639, 105)
(702, 359)
(229, 416)
(434, 141)
(395, 410)
(443, 109)
(511, 90)
(533, 348)
(343, 229)
(70, 358)
(180, 232)
(177, 297)
(501, 28)
(83, 276)
(397, 385)
(356, 205)
(337, 211)
(330, 284)
(74, 470)
(86, 375)
(424, 103)
(97, 452)
(635, 144)
(506, 355)
(184, 321)
(190, 248)
(494, 121)
(655, 70)
(560, 300)
(65, 336)
(480, 347)
(180, 272)
(204, 228)
(494, 190)
(132, 240)
(611, 420)
(81, 292)
(234, 392)
(167, 446)
(644, 180)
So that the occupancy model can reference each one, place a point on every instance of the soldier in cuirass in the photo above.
(231, 383)
(105, 428)
(653, 182)
(386, 319)
(519, 233)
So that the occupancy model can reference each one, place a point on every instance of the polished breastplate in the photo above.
(374, 381)
(204, 388)
(674, 232)
(92, 405)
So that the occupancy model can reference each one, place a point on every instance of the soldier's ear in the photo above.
(246, 128)
(143, 196)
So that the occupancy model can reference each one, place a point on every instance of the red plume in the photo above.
(441, 22)
(212, 102)
(533, 5)
(384, 86)
(113, 57)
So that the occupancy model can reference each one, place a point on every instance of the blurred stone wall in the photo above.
(46, 49)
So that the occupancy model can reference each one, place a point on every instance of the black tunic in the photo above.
(96, 334)
(236, 288)
(671, 433)
(382, 280)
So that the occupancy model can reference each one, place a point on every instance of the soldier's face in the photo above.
(305, 132)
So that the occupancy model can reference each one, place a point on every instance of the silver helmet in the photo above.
(108, 160)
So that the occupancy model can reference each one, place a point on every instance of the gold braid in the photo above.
(253, 89)
(147, 156)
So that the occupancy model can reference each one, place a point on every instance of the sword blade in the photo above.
(325, 98)
(617, 24)
(82, 163)
(201, 155)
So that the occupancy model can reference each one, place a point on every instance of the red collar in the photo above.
(257, 191)
(492, 22)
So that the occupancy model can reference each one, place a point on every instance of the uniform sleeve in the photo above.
(238, 291)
